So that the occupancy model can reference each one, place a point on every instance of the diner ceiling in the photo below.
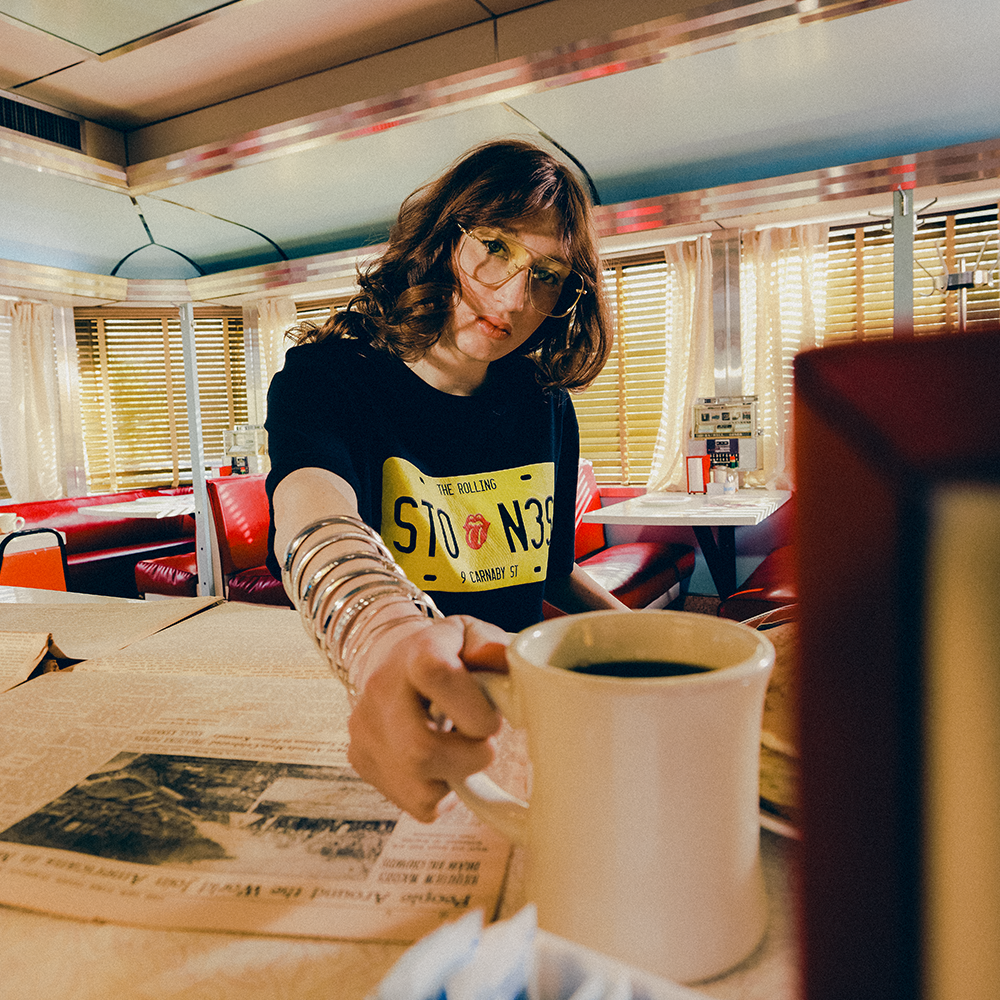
(222, 136)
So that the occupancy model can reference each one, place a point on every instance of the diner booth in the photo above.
(794, 429)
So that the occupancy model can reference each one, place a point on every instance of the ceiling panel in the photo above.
(102, 25)
(210, 242)
(826, 93)
(153, 261)
(250, 46)
(47, 219)
(25, 55)
(347, 193)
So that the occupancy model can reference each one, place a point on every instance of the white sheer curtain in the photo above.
(783, 293)
(690, 364)
(274, 317)
(29, 402)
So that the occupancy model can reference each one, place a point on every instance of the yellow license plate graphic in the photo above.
(476, 532)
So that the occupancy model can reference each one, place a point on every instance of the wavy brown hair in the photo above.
(407, 294)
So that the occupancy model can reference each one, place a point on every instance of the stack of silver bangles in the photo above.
(337, 602)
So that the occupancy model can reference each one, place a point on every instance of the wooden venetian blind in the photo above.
(859, 290)
(320, 311)
(619, 413)
(132, 395)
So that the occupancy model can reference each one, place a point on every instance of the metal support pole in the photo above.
(904, 228)
(726, 315)
(202, 514)
(963, 300)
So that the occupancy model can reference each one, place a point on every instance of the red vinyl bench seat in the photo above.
(771, 585)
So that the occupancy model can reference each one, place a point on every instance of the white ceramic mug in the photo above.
(642, 834)
(10, 522)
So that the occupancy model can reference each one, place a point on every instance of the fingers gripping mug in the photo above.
(642, 833)
(10, 522)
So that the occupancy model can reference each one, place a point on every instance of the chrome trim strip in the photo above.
(642, 45)
(950, 165)
(60, 282)
(332, 269)
(50, 158)
(157, 290)
(955, 164)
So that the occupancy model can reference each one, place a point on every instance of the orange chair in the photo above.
(242, 518)
(33, 557)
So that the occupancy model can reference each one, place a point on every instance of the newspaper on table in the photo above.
(220, 801)
(79, 631)
(23, 654)
(232, 638)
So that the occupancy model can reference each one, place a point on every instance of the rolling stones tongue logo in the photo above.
(476, 530)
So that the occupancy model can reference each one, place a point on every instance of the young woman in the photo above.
(434, 412)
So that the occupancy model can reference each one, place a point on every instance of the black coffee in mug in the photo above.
(639, 668)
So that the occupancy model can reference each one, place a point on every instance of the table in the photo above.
(35, 595)
(172, 505)
(50, 958)
(165, 506)
(702, 513)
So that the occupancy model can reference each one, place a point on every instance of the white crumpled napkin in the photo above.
(463, 961)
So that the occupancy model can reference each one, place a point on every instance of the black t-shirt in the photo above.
(473, 495)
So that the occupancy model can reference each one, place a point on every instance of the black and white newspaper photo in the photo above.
(219, 803)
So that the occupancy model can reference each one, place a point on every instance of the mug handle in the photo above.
(494, 805)
(19, 523)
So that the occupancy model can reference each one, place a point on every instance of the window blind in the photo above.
(320, 311)
(132, 395)
(860, 279)
(619, 413)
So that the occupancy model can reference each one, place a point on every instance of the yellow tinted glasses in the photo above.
(491, 257)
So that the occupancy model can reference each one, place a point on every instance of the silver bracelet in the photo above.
(333, 617)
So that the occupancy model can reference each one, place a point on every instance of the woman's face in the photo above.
(489, 322)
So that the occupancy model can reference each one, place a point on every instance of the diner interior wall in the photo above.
(218, 167)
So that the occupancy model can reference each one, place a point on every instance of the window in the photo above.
(859, 292)
(619, 413)
(318, 312)
(132, 395)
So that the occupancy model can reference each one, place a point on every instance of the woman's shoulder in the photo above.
(334, 352)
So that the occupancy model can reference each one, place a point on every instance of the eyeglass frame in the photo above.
(534, 258)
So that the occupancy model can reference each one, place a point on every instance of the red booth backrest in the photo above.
(589, 537)
(239, 507)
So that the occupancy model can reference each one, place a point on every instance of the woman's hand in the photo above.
(394, 745)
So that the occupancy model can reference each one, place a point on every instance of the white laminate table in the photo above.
(169, 506)
(702, 513)
(165, 506)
